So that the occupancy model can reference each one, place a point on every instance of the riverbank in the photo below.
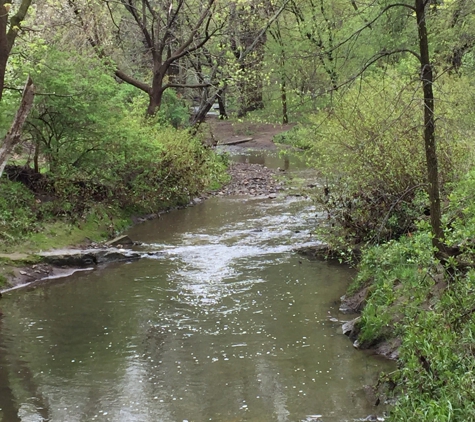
(228, 311)
(25, 263)
(31, 269)
(418, 306)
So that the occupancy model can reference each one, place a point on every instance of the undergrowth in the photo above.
(430, 305)
(89, 158)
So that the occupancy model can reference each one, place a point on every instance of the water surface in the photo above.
(230, 325)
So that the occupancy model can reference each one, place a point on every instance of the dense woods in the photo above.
(110, 122)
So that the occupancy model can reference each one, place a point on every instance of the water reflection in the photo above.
(271, 159)
(229, 326)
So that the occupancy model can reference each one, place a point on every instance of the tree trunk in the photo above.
(283, 94)
(14, 134)
(222, 106)
(429, 128)
(7, 38)
(156, 94)
(200, 115)
(4, 50)
(283, 85)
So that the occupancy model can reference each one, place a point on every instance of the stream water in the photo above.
(229, 325)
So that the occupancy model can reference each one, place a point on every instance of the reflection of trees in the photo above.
(83, 335)
(7, 399)
(271, 389)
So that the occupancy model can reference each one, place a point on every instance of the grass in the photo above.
(97, 226)
(431, 307)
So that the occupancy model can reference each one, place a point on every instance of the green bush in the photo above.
(95, 148)
(368, 149)
(17, 210)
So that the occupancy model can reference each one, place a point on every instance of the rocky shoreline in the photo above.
(252, 180)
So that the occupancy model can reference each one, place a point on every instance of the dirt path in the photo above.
(261, 134)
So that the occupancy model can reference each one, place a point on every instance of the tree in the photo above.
(240, 56)
(427, 77)
(9, 29)
(170, 31)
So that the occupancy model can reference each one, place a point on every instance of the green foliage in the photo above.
(398, 274)
(460, 216)
(174, 110)
(369, 151)
(17, 211)
(77, 119)
(431, 307)
(89, 138)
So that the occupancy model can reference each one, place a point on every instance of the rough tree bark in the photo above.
(14, 134)
(8, 34)
(427, 77)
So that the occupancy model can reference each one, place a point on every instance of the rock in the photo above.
(272, 196)
(121, 240)
(317, 251)
(354, 303)
(78, 260)
(350, 328)
(153, 254)
(251, 179)
(116, 256)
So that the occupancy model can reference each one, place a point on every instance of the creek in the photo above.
(228, 325)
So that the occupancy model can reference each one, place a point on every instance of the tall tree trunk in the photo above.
(283, 85)
(156, 93)
(7, 38)
(429, 128)
(222, 106)
(14, 134)
(4, 50)
(283, 95)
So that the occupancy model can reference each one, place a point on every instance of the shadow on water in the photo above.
(8, 409)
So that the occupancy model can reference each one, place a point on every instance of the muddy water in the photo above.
(229, 325)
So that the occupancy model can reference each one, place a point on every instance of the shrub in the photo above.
(369, 151)
(17, 210)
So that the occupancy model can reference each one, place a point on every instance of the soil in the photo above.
(261, 134)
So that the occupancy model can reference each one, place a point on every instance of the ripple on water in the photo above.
(228, 325)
